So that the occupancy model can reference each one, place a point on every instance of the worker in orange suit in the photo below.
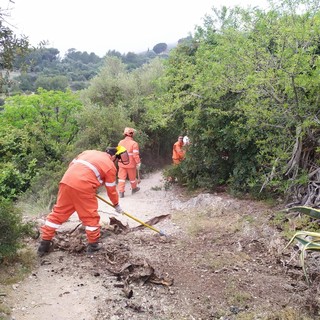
(77, 192)
(178, 152)
(129, 170)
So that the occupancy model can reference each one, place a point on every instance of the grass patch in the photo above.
(223, 259)
(248, 219)
(17, 268)
(285, 314)
(239, 298)
(290, 224)
(197, 222)
(235, 296)
(243, 222)
(201, 225)
(34, 209)
(156, 188)
(13, 271)
(4, 311)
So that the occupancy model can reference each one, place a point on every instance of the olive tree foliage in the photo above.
(249, 96)
(104, 115)
(14, 172)
(117, 98)
(144, 112)
(99, 127)
(38, 133)
(57, 83)
(11, 46)
(280, 99)
(172, 99)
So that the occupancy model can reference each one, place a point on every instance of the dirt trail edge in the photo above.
(220, 260)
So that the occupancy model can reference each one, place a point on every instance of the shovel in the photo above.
(132, 217)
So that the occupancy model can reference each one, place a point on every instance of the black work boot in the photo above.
(93, 247)
(135, 190)
(44, 247)
(121, 194)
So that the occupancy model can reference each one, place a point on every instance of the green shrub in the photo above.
(12, 230)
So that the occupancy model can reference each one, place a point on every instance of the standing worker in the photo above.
(77, 192)
(129, 170)
(178, 153)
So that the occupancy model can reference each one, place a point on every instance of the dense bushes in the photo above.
(247, 90)
(12, 230)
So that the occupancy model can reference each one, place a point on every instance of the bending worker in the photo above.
(77, 192)
(130, 169)
(178, 153)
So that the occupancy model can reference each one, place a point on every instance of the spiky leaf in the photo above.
(308, 244)
(311, 212)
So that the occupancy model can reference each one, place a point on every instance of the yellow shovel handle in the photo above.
(132, 217)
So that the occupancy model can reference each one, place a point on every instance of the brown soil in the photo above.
(220, 259)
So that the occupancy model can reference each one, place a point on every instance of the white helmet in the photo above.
(129, 131)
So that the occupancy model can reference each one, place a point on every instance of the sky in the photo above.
(102, 25)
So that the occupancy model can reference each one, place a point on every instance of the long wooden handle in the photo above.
(132, 217)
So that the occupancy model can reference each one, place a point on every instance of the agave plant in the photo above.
(309, 240)
(311, 212)
(311, 243)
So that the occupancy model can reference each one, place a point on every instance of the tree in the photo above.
(160, 47)
(247, 90)
(38, 135)
(11, 46)
(56, 83)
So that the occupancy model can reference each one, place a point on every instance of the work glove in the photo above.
(118, 209)
(138, 166)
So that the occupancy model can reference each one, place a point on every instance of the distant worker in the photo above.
(77, 192)
(129, 170)
(178, 152)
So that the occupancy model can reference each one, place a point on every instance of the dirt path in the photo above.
(64, 286)
(222, 259)
(152, 200)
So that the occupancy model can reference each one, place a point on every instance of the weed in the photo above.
(222, 260)
(248, 218)
(240, 298)
(287, 314)
(235, 296)
(201, 225)
(156, 188)
(4, 311)
(17, 268)
(167, 185)
(14, 270)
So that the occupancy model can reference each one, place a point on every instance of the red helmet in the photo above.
(129, 131)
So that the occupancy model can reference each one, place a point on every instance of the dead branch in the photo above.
(296, 153)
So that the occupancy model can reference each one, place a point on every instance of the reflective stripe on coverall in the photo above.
(77, 192)
(178, 153)
(129, 169)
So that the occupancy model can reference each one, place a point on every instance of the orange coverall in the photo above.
(77, 192)
(178, 153)
(129, 169)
